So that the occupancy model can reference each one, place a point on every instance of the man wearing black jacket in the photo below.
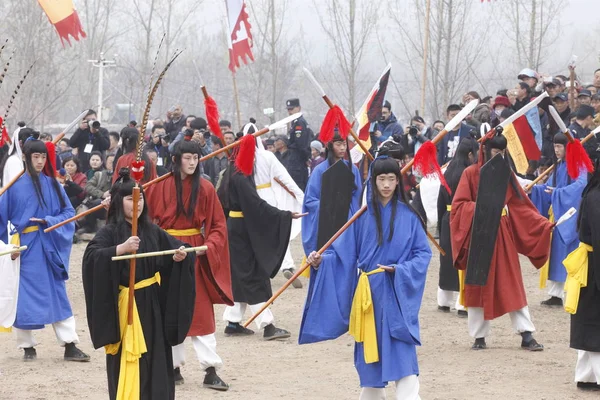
(89, 137)
(300, 136)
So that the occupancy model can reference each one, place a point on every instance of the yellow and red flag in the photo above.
(371, 109)
(63, 16)
(522, 145)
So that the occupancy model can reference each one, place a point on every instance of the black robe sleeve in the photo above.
(589, 233)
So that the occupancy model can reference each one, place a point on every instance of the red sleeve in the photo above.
(461, 216)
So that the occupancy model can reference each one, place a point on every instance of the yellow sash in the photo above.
(183, 232)
(362, 317)
(134, 344)
(545, 270)
(263, 186)
(236, 214)
(306, 272)
(449, 207)
(576, 264)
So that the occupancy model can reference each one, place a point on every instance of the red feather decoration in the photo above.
(137, 170)
(4, 137)
(244, 160)
(425, 163)
(212, 116)
(335, 118)
(577, 159)
(51, 160)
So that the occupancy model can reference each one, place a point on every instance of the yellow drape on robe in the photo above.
(362, 317)
(132, 343)
(576, 264)
(545, 270)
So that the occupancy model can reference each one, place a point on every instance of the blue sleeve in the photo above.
(4, 213)
(57, 244)
(310, 223)
(540, 199)
(562, 200)
(357, 194)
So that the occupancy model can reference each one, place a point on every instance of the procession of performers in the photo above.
(225, 245)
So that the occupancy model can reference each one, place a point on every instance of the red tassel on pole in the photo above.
(51, 160)
(334, 118)
(244, 160)
(212, 117)
(577, 159)
(425, 163)
(137, 170)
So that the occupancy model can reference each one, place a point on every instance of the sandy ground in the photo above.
(284, 370)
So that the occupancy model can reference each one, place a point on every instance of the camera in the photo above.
(413, 130)
(96, 124)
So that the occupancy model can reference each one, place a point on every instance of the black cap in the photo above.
(283, 139)
(292, 103)
(561, 96)
(585, 93)
(560, 138)
(388, 105)
(584, 111)
(497, 142)
(198, 124)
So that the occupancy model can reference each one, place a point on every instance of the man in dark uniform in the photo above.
(580, 128)
(299, 145)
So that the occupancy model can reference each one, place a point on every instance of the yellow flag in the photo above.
(515, 149)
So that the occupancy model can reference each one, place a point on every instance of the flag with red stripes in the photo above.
(371, 110)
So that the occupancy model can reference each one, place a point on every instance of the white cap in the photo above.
(527, 73)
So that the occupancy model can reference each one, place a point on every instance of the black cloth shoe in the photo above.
(479, 344)
(178, 377)
(444, 308)
(532, 345)
(462, 313)
(288, 273)
(553, 302)
(72, 353)
(212, 381)
(588, 386)
(272, 333)
(235, 329)
(30, 354)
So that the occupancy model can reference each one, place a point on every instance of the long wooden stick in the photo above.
(13, 250)
(157, 253)
(134, 229)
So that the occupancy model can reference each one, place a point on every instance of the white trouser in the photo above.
(64, 331)
(236, 312)
(480, 328)
(206, 351)
(407, 388)
(588, 367)
(288, 261)
(448, 298)
(556, 289)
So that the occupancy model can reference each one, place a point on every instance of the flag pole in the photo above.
(237, 100)
(425, 55)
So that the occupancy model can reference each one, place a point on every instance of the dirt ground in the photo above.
(284, 370)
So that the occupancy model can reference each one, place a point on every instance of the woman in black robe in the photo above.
(448, 277)
(165, 309)
(585, 323)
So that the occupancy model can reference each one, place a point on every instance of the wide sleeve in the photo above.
(57, 243)
(409, 284)
(279, 172)
(461, 217)
(531, 231)
(310, 223)
(563, 199)
(178, 289)
(540, 199)
(357, 193)
(331, 290)
(590, 227)
(101, 277)
(217, 254)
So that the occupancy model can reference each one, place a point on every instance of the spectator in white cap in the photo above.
(316, 149)
(528, 76)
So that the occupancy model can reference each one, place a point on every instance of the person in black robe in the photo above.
(258, 238)
(165, 307)
(448, 282)
(585, 323)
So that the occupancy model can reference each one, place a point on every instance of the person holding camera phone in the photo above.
(89, 137)
(388, 125)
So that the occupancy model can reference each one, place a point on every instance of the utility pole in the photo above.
(101, 63)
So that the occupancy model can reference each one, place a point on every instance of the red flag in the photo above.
(63, 16)
(527, 138)
(239, 35)
(371, 109)
(4, 138)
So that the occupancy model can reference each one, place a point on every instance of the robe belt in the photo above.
(263, 186)
(16, 238)
(184, 232)
(504, 211)
(236, 214)
(362, 317)
(576, 265)
(449, 207)
(132, 343)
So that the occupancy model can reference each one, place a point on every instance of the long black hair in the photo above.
(386, 165)
(459, 162)
(129, 142)
(181, 148)
(37, 146)
(593, 183)
(122, 188)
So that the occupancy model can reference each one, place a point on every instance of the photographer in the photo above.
(419, 133)
(87, 138)
(388, 125)
(156, 143)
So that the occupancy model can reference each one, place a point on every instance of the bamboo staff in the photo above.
(13, 250)
(449, 126)
(132, 265)
(54, 141)
(331, 105)
(157, 253)
(276, 125)
(572, 86)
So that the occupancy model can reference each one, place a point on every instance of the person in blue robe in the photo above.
(336, 150)
(553, 199)
(379, 265)
(35, 202)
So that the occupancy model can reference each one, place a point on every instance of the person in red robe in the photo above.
(522, 231)
(187, 207)
(129, 137)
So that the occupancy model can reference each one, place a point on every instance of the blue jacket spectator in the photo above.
(388, 125)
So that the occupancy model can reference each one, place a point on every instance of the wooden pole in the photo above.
(134, 229)
(13, 250)
(158, 253)
(572, 87)
(425, 55)
(237, 100)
